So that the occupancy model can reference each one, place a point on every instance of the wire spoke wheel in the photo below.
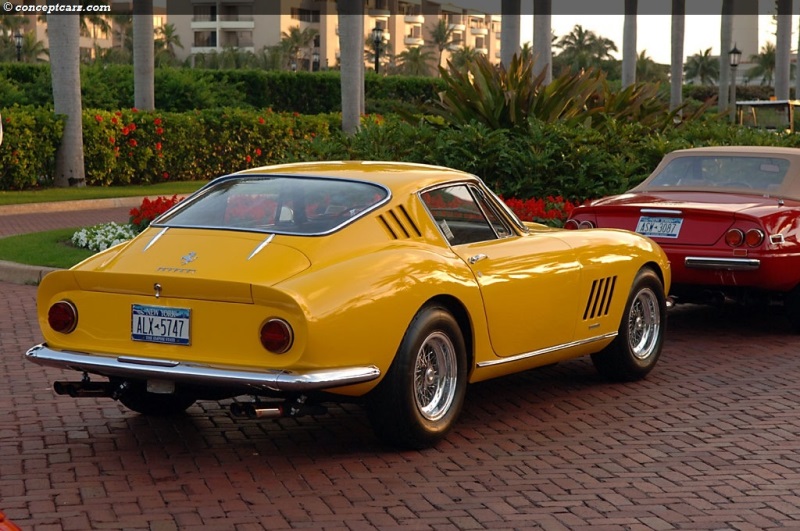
(644, 323)
(435, 374)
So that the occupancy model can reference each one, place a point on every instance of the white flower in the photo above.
(100, 237)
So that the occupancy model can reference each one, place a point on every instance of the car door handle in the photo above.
(477, 258)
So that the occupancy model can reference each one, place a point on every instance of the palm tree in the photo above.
(764, 65)
(415, 62)
(648, 70)
(166, 42)
(9, 24)
(702, 67)
(676, 69)
(99, 24)
(441, 38)
(542, 39)
(299, 42)
(783, 45)
(582, 49)
(461, 58)
(143, 56)
(351, 58)
(511, 21)
(122, 27)
(630, 63)
(384, 50)
(64, 34)
(725, 36)
(32, 49)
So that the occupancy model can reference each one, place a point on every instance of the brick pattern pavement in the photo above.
(710, 440)
(23, 223)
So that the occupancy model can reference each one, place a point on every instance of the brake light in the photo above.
(586, 225)
(571, 224)
(62, 317)
(734, 237)
(754, 237)
(277, 336)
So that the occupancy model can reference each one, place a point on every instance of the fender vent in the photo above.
(600, 298)
(398, 224)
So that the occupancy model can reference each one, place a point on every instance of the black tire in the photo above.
(422, 394)
(637, 347)
(136, 398)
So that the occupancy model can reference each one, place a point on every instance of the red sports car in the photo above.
(727, 217)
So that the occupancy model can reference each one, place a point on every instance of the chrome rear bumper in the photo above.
(726, 264)
(202, 374)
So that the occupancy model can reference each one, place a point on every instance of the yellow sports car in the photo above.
(395, 284)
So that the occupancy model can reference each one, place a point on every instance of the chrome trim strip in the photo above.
(663, 211)
(728, 264)
(204, 374)
(548, 350)
(155, 238)
(261, 246)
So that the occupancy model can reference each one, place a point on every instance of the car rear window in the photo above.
(720, 173)
(280, 204)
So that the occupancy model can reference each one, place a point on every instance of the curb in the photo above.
(66, 206)
(22, 273)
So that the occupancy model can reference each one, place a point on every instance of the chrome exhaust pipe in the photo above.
(253, 410)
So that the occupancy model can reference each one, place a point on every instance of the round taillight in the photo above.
(586, 225)
(571, 224)
(277, 336)
(754, 237)
(62, 317)
(734, 237)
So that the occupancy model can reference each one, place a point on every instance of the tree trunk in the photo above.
(351, 47)
(676, 68)
(783, 49)
(629, 54)
(64, 33)
(797, 69)
(143, 56)
(725, 44)
(510, 31)
(542, 32)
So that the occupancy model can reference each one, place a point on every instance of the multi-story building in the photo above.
(214, 25)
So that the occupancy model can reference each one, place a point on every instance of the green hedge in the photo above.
(130, 147)
(110, 87)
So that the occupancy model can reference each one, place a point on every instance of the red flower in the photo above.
(159, 131)
(125, 131)
(165, 176)
(134, 109)
(247, 158)
(114, 120)
(8, 119)
(258, 152)
(132, 126)
(157, 121)
(118, 113)
(98, 117)
(158, 146)
(111, 140)
(260, 120)
(132, 142)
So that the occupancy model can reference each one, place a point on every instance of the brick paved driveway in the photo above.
(710, 440)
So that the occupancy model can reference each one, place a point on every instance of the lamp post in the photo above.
(377, 40)
(315, 61)
(18, 42)
(735, 56)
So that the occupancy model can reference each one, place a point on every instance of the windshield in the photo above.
(762, 175)
(279, 204)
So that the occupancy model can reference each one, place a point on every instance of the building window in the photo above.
(205, 13)
(237, 39)
(305, 15)
(206, 39)
(237, 13)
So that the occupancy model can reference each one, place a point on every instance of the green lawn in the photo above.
(49, 249)
(53, 248)
(48, 195)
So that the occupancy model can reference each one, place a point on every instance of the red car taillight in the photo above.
(277, 336)
(571, 224)
(62, 317)
(737, 238)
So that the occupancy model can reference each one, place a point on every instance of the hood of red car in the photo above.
(704, 217)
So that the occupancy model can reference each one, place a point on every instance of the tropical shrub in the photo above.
(150, 209)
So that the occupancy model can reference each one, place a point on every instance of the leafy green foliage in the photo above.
(27, 154)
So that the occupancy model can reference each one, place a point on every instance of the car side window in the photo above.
(460, 217)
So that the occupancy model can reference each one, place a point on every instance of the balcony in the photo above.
(379, 14)
(457, 26)
(482, 51)
(414, 41)
(479, 31)
(414, 19)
